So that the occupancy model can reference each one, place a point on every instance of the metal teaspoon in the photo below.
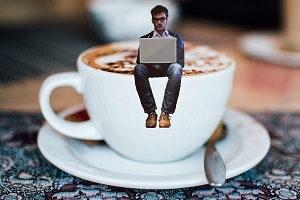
(213, 163)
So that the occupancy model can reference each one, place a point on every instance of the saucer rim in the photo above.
(141, 181)
(266, 46)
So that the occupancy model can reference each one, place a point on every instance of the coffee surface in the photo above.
(120, 57)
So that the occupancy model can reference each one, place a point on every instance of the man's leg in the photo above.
(141, 77)
(174, 74)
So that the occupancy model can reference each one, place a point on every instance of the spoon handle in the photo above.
(214, 166)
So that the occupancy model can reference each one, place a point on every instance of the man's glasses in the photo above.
(159, 19)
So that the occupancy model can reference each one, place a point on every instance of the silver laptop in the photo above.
(158, 50)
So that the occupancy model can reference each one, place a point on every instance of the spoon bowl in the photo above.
(213, 163)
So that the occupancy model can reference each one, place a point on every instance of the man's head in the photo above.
(159, 17)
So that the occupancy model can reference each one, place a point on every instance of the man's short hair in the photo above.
(158, 9)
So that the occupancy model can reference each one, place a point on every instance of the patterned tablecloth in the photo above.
(26, 174)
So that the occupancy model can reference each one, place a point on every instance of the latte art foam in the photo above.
(121, 57)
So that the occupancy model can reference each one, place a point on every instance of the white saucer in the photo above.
(245, 146)
(267, 46)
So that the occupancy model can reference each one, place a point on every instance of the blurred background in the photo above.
(40, 38)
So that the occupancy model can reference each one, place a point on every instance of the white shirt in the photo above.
(164, 35)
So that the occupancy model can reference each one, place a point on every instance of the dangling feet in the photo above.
(164, 120)
(151, 120)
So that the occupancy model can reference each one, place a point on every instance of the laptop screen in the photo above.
(158, 50)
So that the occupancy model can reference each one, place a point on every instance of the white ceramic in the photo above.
(117, 116)
(245, 146)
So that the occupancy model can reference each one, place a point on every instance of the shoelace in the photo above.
(151, 114)
(164, 116)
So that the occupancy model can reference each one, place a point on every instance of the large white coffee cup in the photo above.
(117, 117)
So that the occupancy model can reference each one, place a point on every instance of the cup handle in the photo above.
(80, 130)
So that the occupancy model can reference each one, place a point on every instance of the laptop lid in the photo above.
(158, 50)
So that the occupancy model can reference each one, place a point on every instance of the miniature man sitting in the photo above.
(173, 71)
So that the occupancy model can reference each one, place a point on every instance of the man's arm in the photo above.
(180, 50)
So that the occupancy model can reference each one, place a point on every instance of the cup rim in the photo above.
(84, 66)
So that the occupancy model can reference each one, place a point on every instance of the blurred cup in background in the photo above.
(115, 20)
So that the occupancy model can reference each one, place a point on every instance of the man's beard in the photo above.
(160, 28)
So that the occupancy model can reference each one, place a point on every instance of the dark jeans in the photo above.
(143, 72)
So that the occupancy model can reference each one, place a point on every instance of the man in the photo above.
(173, 71)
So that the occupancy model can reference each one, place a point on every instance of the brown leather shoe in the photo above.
(164, 120)
(151, 120)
